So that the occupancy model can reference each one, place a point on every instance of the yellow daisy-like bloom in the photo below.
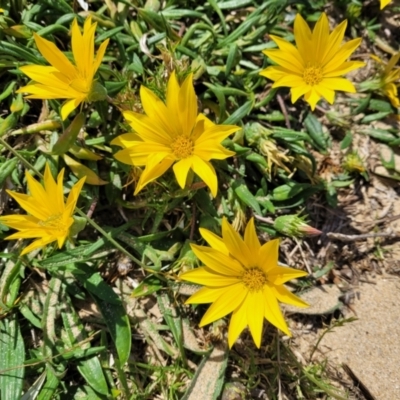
(388, 77)
(314, 67)
(242, 277)
(173, 133)
(384, 3)
(49, 219)
(64, 80)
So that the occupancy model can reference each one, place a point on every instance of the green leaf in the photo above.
(112, 310)
(346, 142)
(12, 358)
(90, 368)
(92, 372)
(67, 139)
(119, 326)
(208, 380)
(241, 112)
(375, 117)
(246, 196)
(314, 128)
(149, 285)
(50, 386)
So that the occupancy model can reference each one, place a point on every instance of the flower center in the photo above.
(254, 279)
(182, 147)
(312, 74)
(54, 222)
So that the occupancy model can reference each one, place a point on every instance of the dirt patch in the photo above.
(370, 346)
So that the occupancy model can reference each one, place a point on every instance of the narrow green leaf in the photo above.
(12, 358)
(240, 113)
(208, 380)
(246, 196)
(112, 310)
(52, 382)
(314, 128)
(67, 139)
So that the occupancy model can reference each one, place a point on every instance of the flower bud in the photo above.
(293, 225)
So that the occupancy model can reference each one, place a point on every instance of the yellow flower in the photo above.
(244, 278)
(388, 77)
(173, 133)
(384, 3)
(64, 80)
(314, 67)
(49, 219)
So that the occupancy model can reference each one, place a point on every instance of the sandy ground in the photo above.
(370, 346)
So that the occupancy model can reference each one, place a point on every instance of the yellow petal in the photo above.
(205, 295)
(37, 244)
(55, 57)
(20, 222)
(384, 3)
(214, 241)
(334, 42)
(235, 244)
(286, 296)
(275, 72)
(74, 194)
(54, 191)
(255, 315)
(302, 35)
(217, 133)
(100, 55)
(219, 262)
(181, 169)
(39, 91)
(337, 84)
(206, 277)
(127, 156)
(156, 165)
(320, 38)
(286, 61)
(44, 75)
(297, 92)
(280, 275)
(312, 98)
(147, 128)
(187, 105)
(292, 52)
(228, 301)
(209, 150)
(206, 172)
(272, 311)
(345, 68)
(238, 323)
(268, 255)
(342, 55)
(126, 140)
(252, 242)
(290, 80)
(326, 93)
(70, 106)
(156, 110)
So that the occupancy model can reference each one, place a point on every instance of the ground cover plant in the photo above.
(167, 170)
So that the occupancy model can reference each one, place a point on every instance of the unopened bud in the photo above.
(293, 225)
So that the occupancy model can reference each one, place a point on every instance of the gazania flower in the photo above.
(49, 219)
(388, 77)
(314, 67)
(384, 3)
(64, 80)
(243, 278)
(173, 133)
